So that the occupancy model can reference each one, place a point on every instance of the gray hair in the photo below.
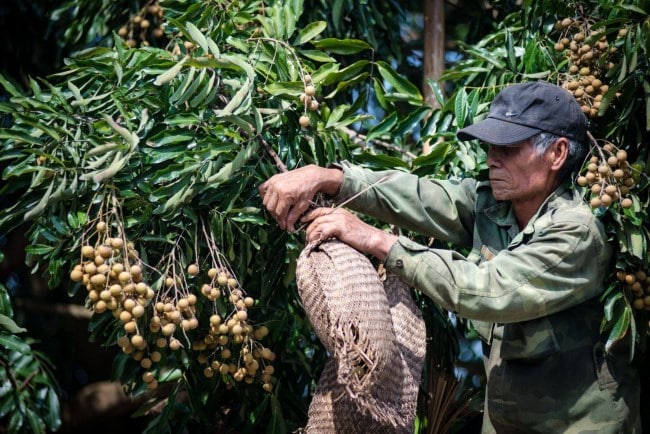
(575, 156)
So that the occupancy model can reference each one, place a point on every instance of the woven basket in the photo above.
(375, 336)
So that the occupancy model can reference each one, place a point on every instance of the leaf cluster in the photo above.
(182, 134)
(29, 401)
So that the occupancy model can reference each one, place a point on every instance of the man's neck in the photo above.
(525, 209)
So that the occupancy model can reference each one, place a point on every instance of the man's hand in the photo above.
(288, 195)
(348, 228)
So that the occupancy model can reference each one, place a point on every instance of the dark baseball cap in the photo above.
(521, 111)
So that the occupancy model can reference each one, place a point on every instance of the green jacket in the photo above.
(532, 295)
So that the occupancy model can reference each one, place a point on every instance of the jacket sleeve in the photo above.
(557, 267)
(440, 209)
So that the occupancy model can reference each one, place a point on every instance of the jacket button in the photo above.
(399, 263)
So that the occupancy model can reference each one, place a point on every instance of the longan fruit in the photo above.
(147, 377)
(88, 252)
(116, 243)
(304, 121)
(638, 303)
(76, 275)
(606, 200)
(222, 279)
(193, 269)
(174, 344)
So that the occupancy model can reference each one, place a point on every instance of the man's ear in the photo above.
(558, 153)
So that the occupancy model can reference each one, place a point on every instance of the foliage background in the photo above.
(182, 160)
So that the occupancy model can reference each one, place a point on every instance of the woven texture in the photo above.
(375, 336)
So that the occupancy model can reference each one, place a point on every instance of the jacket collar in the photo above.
(502, 214)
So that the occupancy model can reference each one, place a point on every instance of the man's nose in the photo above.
(492, 158)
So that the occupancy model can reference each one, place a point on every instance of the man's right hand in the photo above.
(287, 196)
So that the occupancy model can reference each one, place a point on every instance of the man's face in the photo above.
(518, 172)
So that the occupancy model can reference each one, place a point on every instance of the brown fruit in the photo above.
(627, 203)
(88, 251)
(606, 199)
(304, 121)
(76, 275)
(104, 251)
(193, 269)
(638, 303)
(595, 202)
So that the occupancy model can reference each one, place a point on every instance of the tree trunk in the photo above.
(434, 46)
(434, 52)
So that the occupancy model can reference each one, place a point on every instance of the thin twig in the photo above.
(361, 139)
(278, 163)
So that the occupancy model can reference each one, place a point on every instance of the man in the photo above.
(538, 260)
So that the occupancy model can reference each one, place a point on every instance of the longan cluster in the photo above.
(638, 283)
(589, 55)
(144, 27)
(219, 345)
(112, 273)
(307, 98)
(211, 325)
(608, 177)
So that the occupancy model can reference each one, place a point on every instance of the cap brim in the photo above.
(497, 132)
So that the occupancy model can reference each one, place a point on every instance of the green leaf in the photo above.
(19, 137)
(239, 102)
(342, 46)
(293, 88)
(383, 127)
(344, 74)
(9, 87)
(131, 138)
(401, 84)
(9, 325)
(5, 302)
(13, 343)
(52, 416)
(197, 36)
(171, 73)
(35, 423)
(38, 249)
(276, 425)
(460, 107)
(310, 31)
(317, 56)
(620, 328)
(381, 161)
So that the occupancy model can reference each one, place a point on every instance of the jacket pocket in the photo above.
(529, 340)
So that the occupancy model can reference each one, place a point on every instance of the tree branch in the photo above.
(360, 139)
